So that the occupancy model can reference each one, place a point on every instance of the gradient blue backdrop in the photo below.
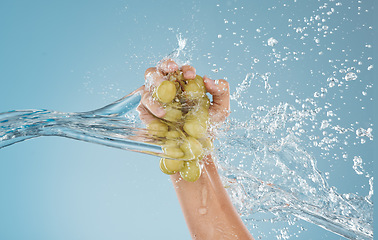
(80, 55)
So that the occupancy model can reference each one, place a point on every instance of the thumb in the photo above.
(220, 90)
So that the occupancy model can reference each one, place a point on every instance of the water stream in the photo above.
(115, 125)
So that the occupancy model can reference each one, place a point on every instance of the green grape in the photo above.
(173, 112)
(166, 92)
(191, 171)
(173, 165)
(200, 82)
(173, 134)
(157, 128)
(204, 102)
(173, 152)
(192, 148)
(193, 90)
(194, 128)
(163, 168)
(207, 143)
(200, 114)
(171, 143)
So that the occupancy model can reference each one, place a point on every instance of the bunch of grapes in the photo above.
(184, 126)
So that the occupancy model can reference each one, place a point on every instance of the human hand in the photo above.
(150, 109)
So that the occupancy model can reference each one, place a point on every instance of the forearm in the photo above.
(207, 208)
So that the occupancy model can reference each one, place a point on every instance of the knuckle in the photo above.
(149, 71)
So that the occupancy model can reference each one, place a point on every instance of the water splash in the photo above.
(115, 125)
(281, 178)
(265, 157)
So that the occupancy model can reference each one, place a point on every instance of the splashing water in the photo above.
(264, 170)
(303, 103)
(266, 174)
(115, 125)
(274, 140)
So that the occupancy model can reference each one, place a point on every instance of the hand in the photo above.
(150, 109)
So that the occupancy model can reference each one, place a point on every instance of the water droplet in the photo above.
(357, 165)
(350, 76)
(272, 41)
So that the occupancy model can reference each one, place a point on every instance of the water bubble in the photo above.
(299, 30)
(361, 132)
(272, 41)
(350, 76)
(324, 124)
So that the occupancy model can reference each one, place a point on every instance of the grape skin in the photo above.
(166, 92)
(191, 171)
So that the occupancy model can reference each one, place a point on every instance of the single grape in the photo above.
(173, 165)
(173, 134)
(163, 168)
(166, 92)
(191, 171)
(171, 143)
(193, 90)
(157, 128)
(173, 152)
(194, 128)
(206, 143)
(200, 82)
(199, 113)
(173, 112)
(192, 148)
(204, 102)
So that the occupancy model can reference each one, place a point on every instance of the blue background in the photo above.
(80, 55)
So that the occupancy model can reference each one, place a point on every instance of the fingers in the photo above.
(152, 105)
(153, 78)
(144, 114)
(167, 66)
(188, 71)
(220, 89)
(155, 75)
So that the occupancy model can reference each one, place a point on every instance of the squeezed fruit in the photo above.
(183, 129)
